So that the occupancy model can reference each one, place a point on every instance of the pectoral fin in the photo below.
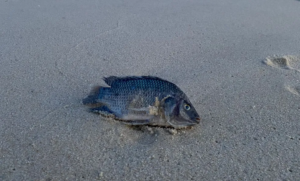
(136, 122)
(142, 109)
(103, 110)
(133, 119)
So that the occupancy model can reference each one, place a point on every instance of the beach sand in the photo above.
(237, 61)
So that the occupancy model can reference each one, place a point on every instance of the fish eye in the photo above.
(187, 107)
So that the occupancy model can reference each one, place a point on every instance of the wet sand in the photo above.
(238, 62)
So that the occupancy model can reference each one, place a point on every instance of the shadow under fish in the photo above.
(143, 100)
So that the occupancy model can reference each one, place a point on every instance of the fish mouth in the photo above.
(194, 121)
(181, 123)
(197, 120)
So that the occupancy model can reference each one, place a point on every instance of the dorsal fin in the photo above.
(111, 79)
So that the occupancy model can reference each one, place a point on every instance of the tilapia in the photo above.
(144, 100)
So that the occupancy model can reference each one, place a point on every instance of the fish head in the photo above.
(180, 112)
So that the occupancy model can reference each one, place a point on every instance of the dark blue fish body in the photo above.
(144, 100)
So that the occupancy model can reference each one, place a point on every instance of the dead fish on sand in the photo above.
(144, 100)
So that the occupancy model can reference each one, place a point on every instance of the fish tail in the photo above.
(91, 99)
(95, 96)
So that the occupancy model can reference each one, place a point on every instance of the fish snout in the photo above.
(194, 121)
(197, 120)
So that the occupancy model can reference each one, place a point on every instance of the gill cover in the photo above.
(172, 112)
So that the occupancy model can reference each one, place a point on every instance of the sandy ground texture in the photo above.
(237, 60)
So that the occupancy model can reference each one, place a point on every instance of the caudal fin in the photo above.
(93, 97)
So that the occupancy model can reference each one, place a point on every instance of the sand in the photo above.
(238, 62)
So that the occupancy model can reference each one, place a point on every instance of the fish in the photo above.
(143, 100)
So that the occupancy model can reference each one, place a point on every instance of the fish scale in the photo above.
(136, 98)
(148, 88)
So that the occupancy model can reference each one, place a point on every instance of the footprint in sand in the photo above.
(288, 62)
(294, 90)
